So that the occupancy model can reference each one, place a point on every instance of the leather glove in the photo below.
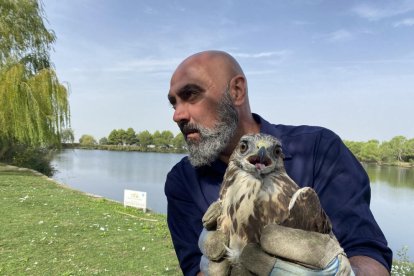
(282, 251)
(213, 244)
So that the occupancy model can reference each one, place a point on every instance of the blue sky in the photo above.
(344, 65)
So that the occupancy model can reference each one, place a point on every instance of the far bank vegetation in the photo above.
(397, 151)
(129, 140)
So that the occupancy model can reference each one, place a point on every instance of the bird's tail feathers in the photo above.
(235, 249)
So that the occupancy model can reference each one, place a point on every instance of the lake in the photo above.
(108, 173)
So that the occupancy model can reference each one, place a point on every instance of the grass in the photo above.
(48, 229)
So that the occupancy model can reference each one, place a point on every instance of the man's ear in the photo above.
(238, 90)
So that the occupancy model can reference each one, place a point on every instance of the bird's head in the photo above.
(258, 154)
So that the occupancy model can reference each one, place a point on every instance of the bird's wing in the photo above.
(306, 212)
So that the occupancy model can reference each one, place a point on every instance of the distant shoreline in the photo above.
(125, 148)
(184, 151)
(393, 164)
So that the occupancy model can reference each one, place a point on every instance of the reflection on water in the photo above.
(108, 173)
(394, 176)
(392, 195)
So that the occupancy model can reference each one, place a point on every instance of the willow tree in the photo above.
(34, 105)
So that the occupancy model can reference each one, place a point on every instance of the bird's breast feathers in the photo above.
(250, 203)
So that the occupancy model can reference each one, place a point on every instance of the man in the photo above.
(208, 92)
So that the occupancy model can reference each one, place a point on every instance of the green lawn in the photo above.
(47, 229)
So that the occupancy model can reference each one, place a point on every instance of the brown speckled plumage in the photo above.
(256, 191)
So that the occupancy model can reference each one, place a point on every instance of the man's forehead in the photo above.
(204, 70)
(191, 69)
(188, 76)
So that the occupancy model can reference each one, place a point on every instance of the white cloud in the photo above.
(150, 10)
(369, 12)
(301, 22)
(340, 35)
(279, 54)
(408, 22)
(378, 12)
(145, 65)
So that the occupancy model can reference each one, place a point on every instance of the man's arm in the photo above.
(362, 265)
(344, 190)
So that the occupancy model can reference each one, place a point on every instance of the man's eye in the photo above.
(187, 94)
(190, 93)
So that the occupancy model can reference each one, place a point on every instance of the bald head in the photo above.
(219, 61)
(199, 86)
(210, 66)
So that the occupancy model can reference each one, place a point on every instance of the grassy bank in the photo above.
(47, 229)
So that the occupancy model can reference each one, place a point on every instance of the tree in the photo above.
(122, 136)
(409, 145)
(103, 141)
(130, 136)
(67, 136)
(114, 138)
(179, 142)
(167, 137)
(157, 138)
(34, 105)
(370, 151)
(87, 140)
(386, 152)
(162, 139)
(144, 138)
(397, 147)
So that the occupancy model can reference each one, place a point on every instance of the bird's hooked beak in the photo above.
(260, 160)
(262, 155)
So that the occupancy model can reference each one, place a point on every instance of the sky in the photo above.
(344, 65)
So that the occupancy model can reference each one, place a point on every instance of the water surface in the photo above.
(108, 173)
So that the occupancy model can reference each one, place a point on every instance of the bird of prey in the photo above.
(256, 191)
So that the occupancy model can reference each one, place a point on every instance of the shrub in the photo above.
(36, 158)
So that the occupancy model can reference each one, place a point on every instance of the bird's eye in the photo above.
(243, 146)
(277, 150)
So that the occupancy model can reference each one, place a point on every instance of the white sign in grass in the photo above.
(135, 199)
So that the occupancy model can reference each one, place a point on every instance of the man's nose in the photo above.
(181, 113)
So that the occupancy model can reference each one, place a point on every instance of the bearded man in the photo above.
(208, 92)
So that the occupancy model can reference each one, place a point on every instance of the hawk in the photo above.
(256, 191)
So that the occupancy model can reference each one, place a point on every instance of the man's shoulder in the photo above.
(179, 176)
(301, 133)
(182, 167)
(182, 176)
(290, 132)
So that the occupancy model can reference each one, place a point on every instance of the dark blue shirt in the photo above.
(314, 157)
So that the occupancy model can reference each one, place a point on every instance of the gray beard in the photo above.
(213, 141)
